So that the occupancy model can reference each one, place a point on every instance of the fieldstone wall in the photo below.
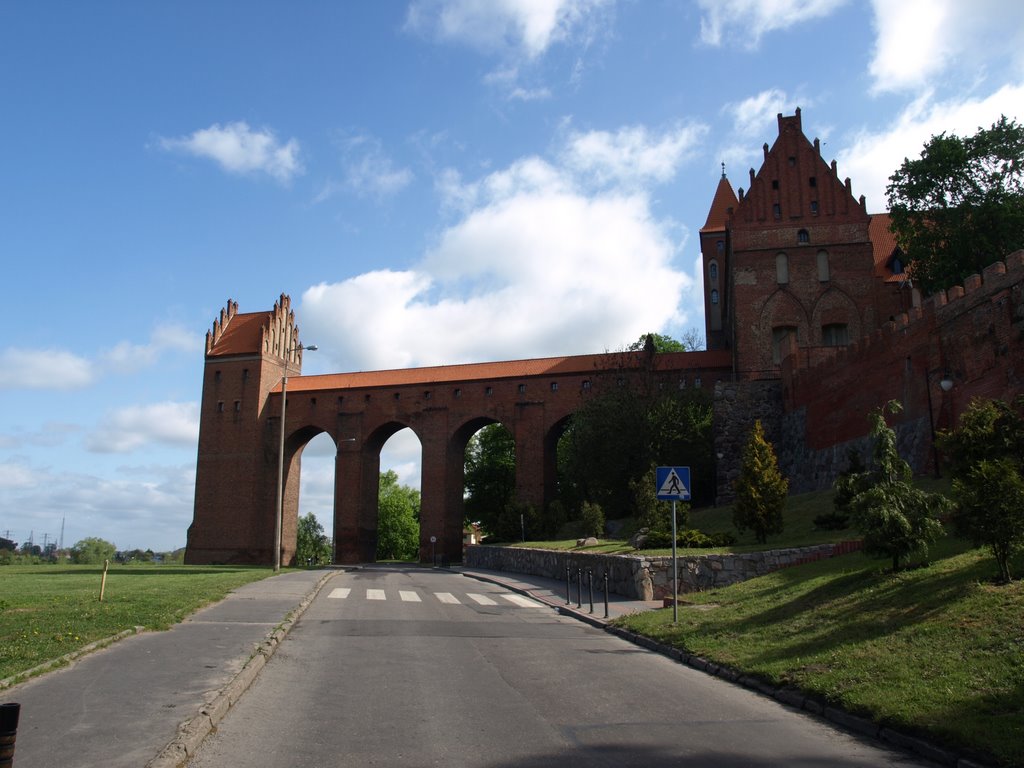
(737, 405)
(650, 578)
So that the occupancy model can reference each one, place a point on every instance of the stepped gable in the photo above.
(794, 186)
(253, 333)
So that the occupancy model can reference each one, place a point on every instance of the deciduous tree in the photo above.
(311, 543)
(398, 528)
(960, 206)
(92, 550)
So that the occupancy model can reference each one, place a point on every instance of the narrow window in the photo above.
(803, 236)
(397, 395)
(340, 401)
(813, 181)
(312, 402)
(427, 394)
(713, 270)
(489, 391)
(777, 210)
(775, 183)
(458, 392)
(554, 386)
(238, 406)
(216, 376)
(586, 384)
(823, 270)
(220, 406)
(835, 335)
(696, 382)
(245, 374)
(720, 246)
(814, 207)
(781, 269)
(714, 296)
(792, 160)
(781, 336)
(522, 389)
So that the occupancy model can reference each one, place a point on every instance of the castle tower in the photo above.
(715, 256)
(236, 470)
(800, 260)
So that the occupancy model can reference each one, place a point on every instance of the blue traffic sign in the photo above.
(672, 483)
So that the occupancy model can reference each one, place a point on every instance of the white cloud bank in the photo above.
(53, 369)
(239, 149)
(494, 25)
(132, 427)
(545, 258)
(747, 21)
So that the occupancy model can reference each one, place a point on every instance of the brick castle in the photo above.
(811, 323)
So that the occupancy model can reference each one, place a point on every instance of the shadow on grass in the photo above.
(143, 570)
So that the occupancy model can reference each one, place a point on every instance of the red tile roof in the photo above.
(883, 244)
(724, 199)
(548, 366)
(241, 335)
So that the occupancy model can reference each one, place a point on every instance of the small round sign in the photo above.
(433, 539)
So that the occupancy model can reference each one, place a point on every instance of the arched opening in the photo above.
(398, 497)
(489, 482)
(316, 499)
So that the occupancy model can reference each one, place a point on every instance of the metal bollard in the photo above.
(8, 732)
(606, 594)
(590, 585)
(579, 587)
(568, 585)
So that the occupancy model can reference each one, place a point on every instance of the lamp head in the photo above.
(947, 382)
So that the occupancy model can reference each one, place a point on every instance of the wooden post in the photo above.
(103, 581)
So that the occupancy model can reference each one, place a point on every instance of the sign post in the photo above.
(673, 484)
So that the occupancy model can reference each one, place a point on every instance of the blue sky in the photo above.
(432, 181)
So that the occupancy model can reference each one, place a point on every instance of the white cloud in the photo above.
(535, 266)
(134, 426)
(44, 369)
(495, 25)
(370, 171)
(51, 434)
(917, 40)
(874, 156)
(631, 155)
(126, 356)
(16, 474)
(239, 149)
(755, 116)
(746, 21)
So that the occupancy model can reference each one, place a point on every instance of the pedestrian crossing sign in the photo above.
(672, 483)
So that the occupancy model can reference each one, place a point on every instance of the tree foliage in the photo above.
(490, 477)
(691, 341)
(760, 489)
(986, 458)
(398, 527)
(960, 206)
(311, 544)
(92, 550)
(895, 518)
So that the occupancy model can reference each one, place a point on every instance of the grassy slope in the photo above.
(936, 650)
(47, 611)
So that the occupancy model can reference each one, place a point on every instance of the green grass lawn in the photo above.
(47, 611)
(937, 650)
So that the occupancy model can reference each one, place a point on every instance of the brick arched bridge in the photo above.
(236, 474)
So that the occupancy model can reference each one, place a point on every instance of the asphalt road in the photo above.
(414, 667)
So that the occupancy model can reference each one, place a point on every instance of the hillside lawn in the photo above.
(47, 611)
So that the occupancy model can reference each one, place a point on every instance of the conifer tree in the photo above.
(760, 489)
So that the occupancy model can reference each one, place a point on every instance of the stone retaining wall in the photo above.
(650, 578)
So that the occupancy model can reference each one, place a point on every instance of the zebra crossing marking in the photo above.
(522, 601)
(409, 597)
(375, 594)
(447, 597)
(481, 599)
(339, 593)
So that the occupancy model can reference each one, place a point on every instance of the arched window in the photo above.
(823, 271)
(835, 335)
(803, 236)
(720, 246)
(781, 334)
(713, 270)
(782, 269)
(714, 296)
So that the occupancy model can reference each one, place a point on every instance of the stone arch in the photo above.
(835, 306)
(782, 309)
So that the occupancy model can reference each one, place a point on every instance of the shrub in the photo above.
(760, 489)
(592, 518)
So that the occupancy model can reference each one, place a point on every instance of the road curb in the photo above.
(792, 697)
(194, 731)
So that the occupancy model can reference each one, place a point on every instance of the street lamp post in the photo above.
(946, 384)
(279, 509)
